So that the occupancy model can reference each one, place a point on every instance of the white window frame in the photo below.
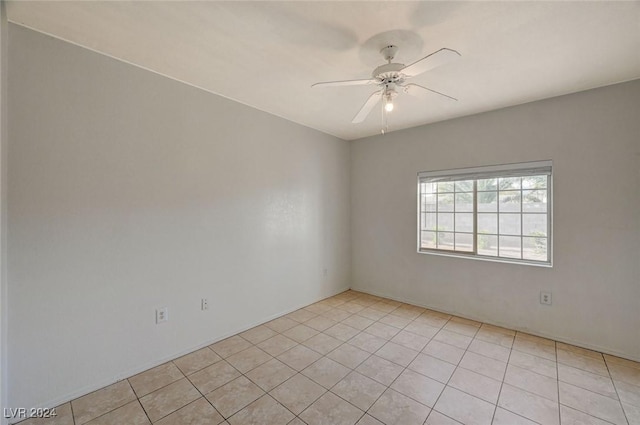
(521, 169)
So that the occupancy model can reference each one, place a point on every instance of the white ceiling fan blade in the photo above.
(345, 83)
(414, 89)
(367, 107)
(429, 62)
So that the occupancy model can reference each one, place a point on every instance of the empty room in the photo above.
(320, 213)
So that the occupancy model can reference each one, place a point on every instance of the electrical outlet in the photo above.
(545, 298)
(204, 304)
(162, 314)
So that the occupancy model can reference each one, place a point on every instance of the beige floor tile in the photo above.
(397, 354)
(464, 407)
(488, 349)
(102, 401)
(433, 368)
(258, 334)
(529, 405)
(383, 307)
(63, 416)
(457, 319)
(248, 359)
(452, 338)
(504, 417)
(594, 404)
(168, 399)
(326, 372)
(437, 418)
(380, 370)
(351, 307)
(476, 385)
(626, 374)
(578, 361)
(152, 379)
(358, 322)
(130, 414)
(297, 393)
(367, 342)
(349, 356)
(495, 337)
(461, 328)
(299, 357)
(532, 382)
(571, 416)
(359, 390)
(277, 345)
(234, 396)
(534, 363)
(433, 321)
(322, 343)
(623, 362)
(404, 313)
(214, 376)
(628, 393)
(336, 314)
(579, 350)
(395, 321)
(483, 365)
(281, 324)
(197, 360)
(383, 331)
(318, 308)
(393, 408)
(331, 409)
(633, 413)
(372, 314)
(320, 323)
(229, 346)
(536, 339)
(270, 374)
(200, 412)
(587, 380)
(536, 348)
(301, 315)
(445, 352)
(497, 329)
(419, 387)
(342, 332)
(300, 333)
(422, 329)
(263, 411)
(369, 420)
(410, 340)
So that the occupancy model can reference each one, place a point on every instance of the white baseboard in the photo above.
(134, 371)
(601, 349)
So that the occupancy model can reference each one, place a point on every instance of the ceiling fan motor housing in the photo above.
(388, 73)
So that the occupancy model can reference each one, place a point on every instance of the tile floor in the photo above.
(360, 359)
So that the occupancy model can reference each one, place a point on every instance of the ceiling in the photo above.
(268, 54)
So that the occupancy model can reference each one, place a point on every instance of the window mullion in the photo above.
(475, 217)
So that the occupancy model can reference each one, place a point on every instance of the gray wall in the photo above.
(593, 139)
(129, 191)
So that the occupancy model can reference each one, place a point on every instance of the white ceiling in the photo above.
(268, 54)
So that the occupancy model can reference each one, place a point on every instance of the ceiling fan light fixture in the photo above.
(388, 105)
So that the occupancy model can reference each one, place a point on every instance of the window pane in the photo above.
(534, 224)
(510, 201)
(464, 202)
(445, 240)
(509, 247)
(445, 202)
(464, 222)
(445, 222)
(487, 223)
(488, 245)
(464, 186)
(428, 221)
(534, 201)
(428, 202)
(509, 183)
(535, 249)
(427, 239)
(428, 188)
(445, 187)
(487, 201)
(488, 184)
(464, 242)
(534, 182)
(509, 224)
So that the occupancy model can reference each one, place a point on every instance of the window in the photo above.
(500, 213)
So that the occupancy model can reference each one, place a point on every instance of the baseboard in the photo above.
(605, 350)
(134, 371)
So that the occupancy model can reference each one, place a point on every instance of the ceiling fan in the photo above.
(391, 78)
